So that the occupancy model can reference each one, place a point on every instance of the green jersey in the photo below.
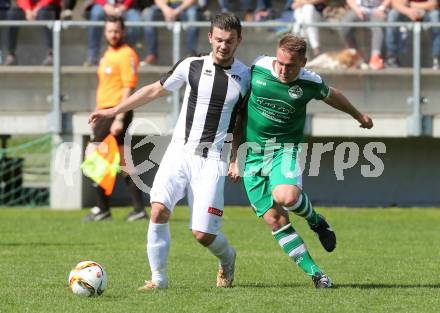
(277, 110)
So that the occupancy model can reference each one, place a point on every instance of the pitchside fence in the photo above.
(416, 121)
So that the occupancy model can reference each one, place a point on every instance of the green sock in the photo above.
(305, 209)
(295, 248)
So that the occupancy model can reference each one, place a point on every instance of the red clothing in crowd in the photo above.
(32, 4)
(126, 3)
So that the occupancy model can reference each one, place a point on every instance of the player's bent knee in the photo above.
(286, 200)
(159, 213)
(289, 200)
(204, 239)
(286, 195)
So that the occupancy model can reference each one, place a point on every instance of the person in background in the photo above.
(412, 10)
(170, 11)
(67, 11)
(367, 10)
(308, 11)
(98, 12)
(4, 8)
(118, 77)
(245, 5)
(41, 10)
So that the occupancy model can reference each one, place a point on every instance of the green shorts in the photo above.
(264, 172)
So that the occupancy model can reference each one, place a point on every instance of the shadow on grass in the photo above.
(337, 286)
(44, 244)
(265, 285)
(386, 286)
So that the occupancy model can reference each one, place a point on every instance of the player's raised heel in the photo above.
(151, 285)
(225, 275)
(325, 233)
(322, 281)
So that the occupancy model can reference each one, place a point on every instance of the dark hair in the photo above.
(115, 19)
(291, 43)
(227, 22)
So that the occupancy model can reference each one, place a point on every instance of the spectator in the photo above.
(367, 10)
(412, 10)
(309, 11)
(245, 6)
(170, 11)
(98, 12)
(4, 7)
(31, 11)
(118, 77)
(67, 12)
(263, 10)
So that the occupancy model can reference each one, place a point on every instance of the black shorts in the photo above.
(102, 128)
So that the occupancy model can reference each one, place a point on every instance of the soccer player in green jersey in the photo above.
(274, 119)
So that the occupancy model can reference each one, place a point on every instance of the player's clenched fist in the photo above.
(366, 122)
(234, 172)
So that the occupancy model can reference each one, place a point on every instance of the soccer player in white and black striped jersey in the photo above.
(192, 164)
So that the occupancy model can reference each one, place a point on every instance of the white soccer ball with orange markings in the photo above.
(88, 279)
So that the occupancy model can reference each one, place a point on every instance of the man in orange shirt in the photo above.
(117, 73)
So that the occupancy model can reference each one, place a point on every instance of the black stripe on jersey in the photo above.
(238, 107)
(195, 71)
(216, 103)
(164, 77)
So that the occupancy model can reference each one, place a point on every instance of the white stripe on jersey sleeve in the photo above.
(245, 79)
(177, 76)
(264, 61)
(242, 74)
(310, 76)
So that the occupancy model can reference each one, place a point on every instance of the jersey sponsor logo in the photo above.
(274, 109)
(215, 211)
(236, 77)
(295, 92)
(207, 72)
(259, 82)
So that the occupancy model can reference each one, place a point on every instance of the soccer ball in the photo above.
(88, 279)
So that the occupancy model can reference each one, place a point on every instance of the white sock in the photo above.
(158, 245)
(221, 249)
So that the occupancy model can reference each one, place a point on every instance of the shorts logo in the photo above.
(295, 92)
(289, 175)
(215, 211)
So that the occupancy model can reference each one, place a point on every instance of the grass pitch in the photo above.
(385, 261)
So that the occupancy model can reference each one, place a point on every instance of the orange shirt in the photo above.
(118, 69)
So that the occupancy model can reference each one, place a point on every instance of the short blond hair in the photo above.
(291, 44)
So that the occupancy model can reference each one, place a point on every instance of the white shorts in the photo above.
(201, 178)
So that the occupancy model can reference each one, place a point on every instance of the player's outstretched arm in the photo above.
(337, 100)
(143, 96)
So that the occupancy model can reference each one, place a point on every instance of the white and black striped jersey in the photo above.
(209, 104)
